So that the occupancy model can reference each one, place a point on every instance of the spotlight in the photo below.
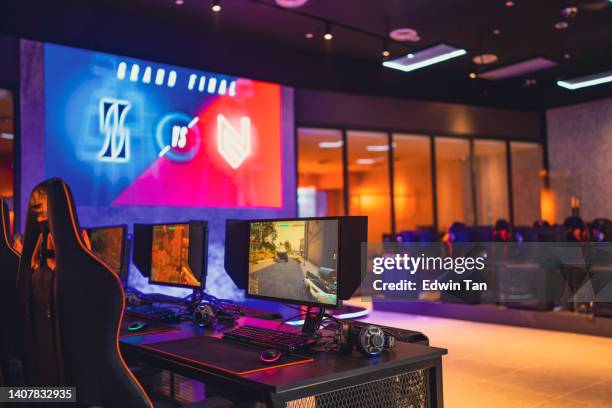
(385, 49)
(179, 2)
(328, 35)
(509, 3)
(216, 7)
(473, 75)
(309, 35)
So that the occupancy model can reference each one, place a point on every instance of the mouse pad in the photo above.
(152, 328)
(224, 355)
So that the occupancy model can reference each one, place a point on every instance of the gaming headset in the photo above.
(368, 339)
(211, 310)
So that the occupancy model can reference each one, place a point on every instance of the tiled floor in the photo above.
(497, 366)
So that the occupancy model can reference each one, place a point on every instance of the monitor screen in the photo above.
(170, 257)
(108, 244)
(294, 261)
(123, 131)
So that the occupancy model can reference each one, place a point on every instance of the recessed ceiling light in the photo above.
(484, 59)
(330, 145)
(509, 3)
(291, 3)
(567, 55)
(424, 58)
(179, 2)
(473, 75)
(386, 53)
(405, 34)
(497, 31)
(561, 25)
(590, 80)
(309, 35)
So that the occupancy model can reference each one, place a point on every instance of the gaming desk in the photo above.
(407, 375)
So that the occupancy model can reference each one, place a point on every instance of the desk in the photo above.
(409, 375)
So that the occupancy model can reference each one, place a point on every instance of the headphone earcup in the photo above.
(371, 340)
(204, 315)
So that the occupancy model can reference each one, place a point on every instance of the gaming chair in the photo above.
(71, 306)
(9, 265)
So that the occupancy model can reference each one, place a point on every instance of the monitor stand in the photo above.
(312, 321)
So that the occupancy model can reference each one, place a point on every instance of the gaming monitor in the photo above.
(307, 261)
(110, 244)
(178, 254)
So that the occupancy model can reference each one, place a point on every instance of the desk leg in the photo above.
(435, 379)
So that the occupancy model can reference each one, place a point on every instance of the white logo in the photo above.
(117, 138)
(232, 145)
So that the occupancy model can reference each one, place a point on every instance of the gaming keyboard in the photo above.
(275, 339)
(151, 312)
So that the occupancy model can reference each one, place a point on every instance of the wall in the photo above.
(32, 147)
(579, 153)
(328, 109)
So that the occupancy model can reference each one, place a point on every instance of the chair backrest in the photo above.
(9, 265)
(72, 305)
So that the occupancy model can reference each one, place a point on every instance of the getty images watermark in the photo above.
(492, 272)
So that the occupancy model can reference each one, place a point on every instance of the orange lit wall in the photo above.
(413, 197)
(369, 195)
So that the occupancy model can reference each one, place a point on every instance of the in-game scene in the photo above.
(294, 260)
(107, 244)
(170, 256)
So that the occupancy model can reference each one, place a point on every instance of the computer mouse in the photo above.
(270, 356)
(137, 325)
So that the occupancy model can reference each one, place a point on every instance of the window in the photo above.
(7, 136)
(412, 181)
(369, 187)
(491, 181)
(454, 182)
(527, 164)
(320, 173)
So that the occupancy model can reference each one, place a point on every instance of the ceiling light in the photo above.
(7, 136)
(385, 50)
(473, 75)
(520, 68)
(586, 81)
(330, 145)
(366, 162)
(484, 59)
(509, 4)
(567, 55)
(179, 2)
(328, 35)
(309, 36)
(377, 148)
(497, 31)
(561, 25)
(291, 3)
(424, 58)
(405, 34)
(216, 7)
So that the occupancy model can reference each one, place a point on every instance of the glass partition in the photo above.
(320, 173)
(412, 184)
(453, 182)
(527, 166)
(369, 187)
(491, 181)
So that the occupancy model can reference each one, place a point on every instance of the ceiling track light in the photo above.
(328, 34)
(385, 49)
(216, 6)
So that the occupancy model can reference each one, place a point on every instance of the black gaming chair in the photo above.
(9, 264)
(72, 307)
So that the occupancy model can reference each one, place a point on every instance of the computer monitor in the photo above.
(294, 261)
(178, 254)
(109, 243)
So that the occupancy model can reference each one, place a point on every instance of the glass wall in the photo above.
(453, 182)
(7, 164)
(412, 184)
(471, 179)
(369, 186)
(320, 173)
(527, 168)
(491, 181)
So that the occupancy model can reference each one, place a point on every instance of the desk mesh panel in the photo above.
(408, 390)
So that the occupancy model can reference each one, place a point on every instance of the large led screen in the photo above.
(123, 131)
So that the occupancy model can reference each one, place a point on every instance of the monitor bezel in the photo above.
(338, 303)
(124, 227)
(204, 258)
